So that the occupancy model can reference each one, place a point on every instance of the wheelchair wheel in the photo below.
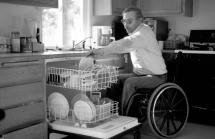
(168, 110)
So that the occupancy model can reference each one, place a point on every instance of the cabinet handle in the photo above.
(20, 63)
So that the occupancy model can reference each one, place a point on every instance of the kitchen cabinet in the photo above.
(195, 73)
(32, 132)
(22, 97)
(40, 3)
(155, 8)
(110, 7)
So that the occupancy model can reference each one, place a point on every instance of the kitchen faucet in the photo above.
(83, 43)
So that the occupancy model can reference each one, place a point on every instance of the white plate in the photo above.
(84, 109)
(58, 105)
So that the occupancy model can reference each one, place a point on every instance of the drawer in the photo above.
(38, 131)
(19, 94)
(21, 72)
(22, 116)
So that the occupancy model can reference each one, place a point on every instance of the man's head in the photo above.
(132, 18)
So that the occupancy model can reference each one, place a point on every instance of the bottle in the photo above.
(38, 35)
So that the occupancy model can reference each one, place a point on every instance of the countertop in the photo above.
(60, 54)
(39, 56)
(190, 51)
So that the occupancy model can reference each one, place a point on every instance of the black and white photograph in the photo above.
(107, 69)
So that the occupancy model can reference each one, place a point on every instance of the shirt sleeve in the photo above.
(124, 45)
(117, 47)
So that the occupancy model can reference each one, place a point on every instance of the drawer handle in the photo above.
(20, 63)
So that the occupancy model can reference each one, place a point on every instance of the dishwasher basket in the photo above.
(102, 112)
(98, 78)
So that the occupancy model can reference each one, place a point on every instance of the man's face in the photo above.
(130, 21)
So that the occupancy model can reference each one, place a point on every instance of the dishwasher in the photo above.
(76, 102)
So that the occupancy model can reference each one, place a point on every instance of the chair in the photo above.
(165, 107)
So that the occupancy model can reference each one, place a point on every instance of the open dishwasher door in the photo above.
(109, 128)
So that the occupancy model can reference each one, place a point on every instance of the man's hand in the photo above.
(90, 53)
(97, 51)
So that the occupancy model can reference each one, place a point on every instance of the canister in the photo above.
(15, 42)
(22, 43)
(28, 46)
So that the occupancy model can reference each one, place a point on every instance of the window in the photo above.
(66, 25)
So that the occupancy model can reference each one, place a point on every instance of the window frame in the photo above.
(86, 24)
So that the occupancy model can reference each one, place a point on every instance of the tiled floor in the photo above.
(191, 131)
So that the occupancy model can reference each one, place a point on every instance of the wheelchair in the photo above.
(165, 108)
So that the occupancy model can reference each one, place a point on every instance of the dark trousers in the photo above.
(129, 83)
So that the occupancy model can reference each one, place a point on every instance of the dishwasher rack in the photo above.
(98, 78)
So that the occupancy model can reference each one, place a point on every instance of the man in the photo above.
(149, 69)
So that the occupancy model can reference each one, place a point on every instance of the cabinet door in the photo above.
(32, 132)
(119, 5)
(111, 7)
(22, 116)
(165, 7)
(41, 3)
(102, 7)
(13, 96)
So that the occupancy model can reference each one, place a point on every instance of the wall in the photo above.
(12, 18)
(102, 20)
(203, 18)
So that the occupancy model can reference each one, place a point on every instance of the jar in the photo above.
(28, 46)
(15, 42)
(4, 48)
(22, 43)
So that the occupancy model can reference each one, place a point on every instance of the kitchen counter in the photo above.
(39, 56)
(190, 51)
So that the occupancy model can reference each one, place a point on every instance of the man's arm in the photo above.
(116, 47)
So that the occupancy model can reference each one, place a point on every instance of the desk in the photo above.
(111, 128)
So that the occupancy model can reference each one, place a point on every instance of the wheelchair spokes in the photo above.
(168, 111)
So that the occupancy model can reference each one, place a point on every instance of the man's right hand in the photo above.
(90, 53)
